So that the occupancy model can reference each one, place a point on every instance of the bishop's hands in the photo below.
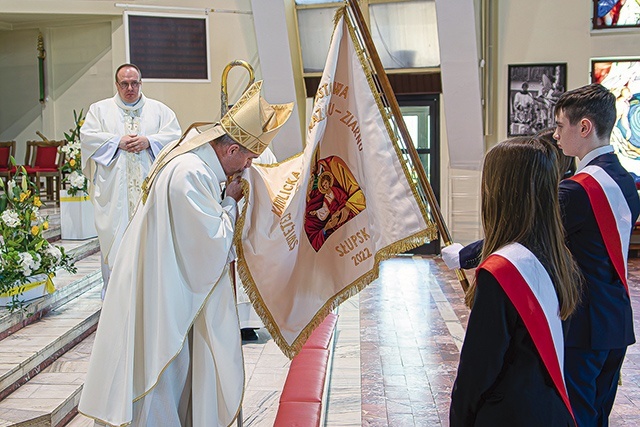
(134, 143)
(234, 187)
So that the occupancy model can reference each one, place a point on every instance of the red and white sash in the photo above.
(529, 288)
(612, 215)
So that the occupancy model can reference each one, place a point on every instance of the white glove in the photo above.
(450, 255)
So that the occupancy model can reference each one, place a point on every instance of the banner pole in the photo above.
(385, 85)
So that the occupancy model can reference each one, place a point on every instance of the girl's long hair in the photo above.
(520, 204)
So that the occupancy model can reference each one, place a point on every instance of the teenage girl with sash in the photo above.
(511, 363)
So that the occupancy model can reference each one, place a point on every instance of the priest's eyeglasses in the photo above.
(125, 85)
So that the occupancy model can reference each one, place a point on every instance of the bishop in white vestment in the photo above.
(167, 351)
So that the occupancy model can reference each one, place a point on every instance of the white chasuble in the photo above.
(173, 278)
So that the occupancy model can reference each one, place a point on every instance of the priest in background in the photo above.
(120, 137)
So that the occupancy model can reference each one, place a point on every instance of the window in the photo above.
(168, 47)
(404, 32)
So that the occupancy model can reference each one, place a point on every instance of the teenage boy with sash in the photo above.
(599, 206)
(511, 363)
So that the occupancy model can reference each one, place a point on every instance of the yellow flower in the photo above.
(24, 196)
(45, 225)
(81, 122)
(72, 162)
(35, 230)
(33, 216)
(36, 202)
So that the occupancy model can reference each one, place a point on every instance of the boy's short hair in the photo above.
(594, 102)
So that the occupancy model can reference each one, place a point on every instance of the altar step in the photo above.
(44, 351)
(53, 232)
(69, 286)
(51, 393)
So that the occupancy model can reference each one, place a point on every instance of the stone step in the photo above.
(52, 234)
(50, 398)
(79, 249)
(26, 353)
(80, 421)
(69, 286)
(44, 350)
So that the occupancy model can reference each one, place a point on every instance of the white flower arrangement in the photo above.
(11, 218)
(24, 251)
(77, 181)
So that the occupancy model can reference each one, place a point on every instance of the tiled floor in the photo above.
(412, 324)
(409, 344)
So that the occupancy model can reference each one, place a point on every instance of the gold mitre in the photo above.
(252, 122)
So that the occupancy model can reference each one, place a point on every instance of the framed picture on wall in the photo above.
(168, 47)
(533, 91)
(622, 78)
(616, 14)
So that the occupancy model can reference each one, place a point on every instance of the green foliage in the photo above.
(24, 252)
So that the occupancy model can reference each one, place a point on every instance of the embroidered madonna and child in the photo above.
(333, 198)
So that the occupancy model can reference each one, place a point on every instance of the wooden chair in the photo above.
(43, 160)
(7, 149)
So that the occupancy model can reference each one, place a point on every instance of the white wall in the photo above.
(459, 194)
(20, 110)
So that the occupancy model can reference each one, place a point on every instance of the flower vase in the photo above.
(37, 286)
(76, 217)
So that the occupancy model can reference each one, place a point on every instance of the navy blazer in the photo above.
(603, 319)
(502, 380)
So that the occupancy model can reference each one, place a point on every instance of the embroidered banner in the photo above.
(316, 227)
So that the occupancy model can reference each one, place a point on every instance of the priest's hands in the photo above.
(234, 188)
(134, 143)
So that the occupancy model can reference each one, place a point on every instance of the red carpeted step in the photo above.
(321, 336)
(298, 414)
(305, 380)
(301, 398)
